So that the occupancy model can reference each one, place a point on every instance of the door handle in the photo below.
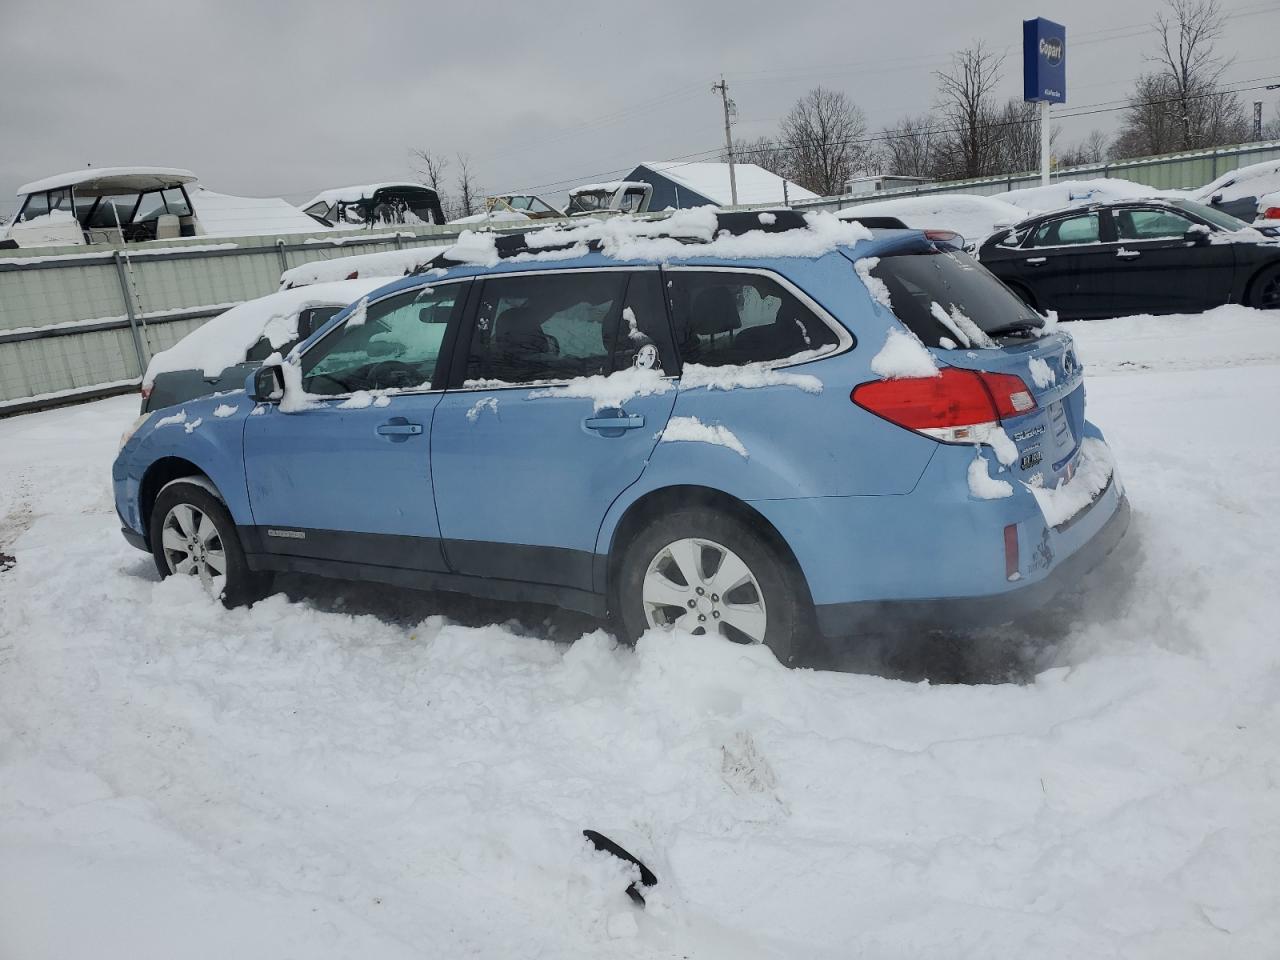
(1035, 261)
(1124, 254)
(624, 422)
(399, 430)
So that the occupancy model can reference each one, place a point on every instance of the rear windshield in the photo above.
(953, 281)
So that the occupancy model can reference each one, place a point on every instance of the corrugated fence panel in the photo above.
(40, 297)
(32, 367)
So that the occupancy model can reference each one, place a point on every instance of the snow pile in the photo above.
(225, 339)
(344, 771)
(295, 397)
(750, 376)
(1076, 193)
(221, 215)
(965, 330)
(494, 216)
(875, 286)
(1042, 374)
(363, 399)
(172, 420)
(973, 217)
(1226, 336)
(610, 391)
(1093, 472)
(982, 485)
(226, 410)
(390, 263)
(903, 356)
(480, 249)
(693, 430)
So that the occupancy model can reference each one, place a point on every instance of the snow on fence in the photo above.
(79, 322)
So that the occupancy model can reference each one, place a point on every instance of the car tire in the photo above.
(763, 582)
(1264, 291)
(192, 532)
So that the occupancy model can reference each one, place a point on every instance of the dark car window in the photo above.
(1066, 231)
(1213, 215)
(553, 326)
(644, 333)
(955, 282)
(723, 318)
(1150, 224)
(396, 345)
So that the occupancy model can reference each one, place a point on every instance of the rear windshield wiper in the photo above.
(1016, 326)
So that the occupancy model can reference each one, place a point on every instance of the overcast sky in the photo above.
(284, 99)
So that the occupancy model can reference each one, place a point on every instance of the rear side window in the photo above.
(1067, 231)
(923, 285)
(1150, 224)
(553, 326)
(723, 318)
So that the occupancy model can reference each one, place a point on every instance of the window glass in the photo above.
(60, 200)
(954, 281)
(644, 333)
(176, 202)
(519, 203)
(152, 206)
(37, 205)
(589, 202)
(537, 206)
(1212, 215)
(111, 207)
(396, 346)
(1067, 231)
(631, 200)
(1150, 224)
(734, 318)
(553, 326)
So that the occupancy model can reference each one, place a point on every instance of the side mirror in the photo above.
(266, 384)
(1198, 235)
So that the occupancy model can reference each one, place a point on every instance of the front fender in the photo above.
(195, 433)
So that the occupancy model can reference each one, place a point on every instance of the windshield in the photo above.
(589, 201)
(952, 281)
(1216, 217)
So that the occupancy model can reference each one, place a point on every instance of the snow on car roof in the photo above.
(711, 180)
(970, 215)
(358, 192)
(1252, 181)
(123, 178)
(224, 340)
(1077, 193)
(387, 264)
(222, 215)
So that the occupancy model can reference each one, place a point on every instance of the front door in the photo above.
(343, 473)
(537, 441)
(1156, 269)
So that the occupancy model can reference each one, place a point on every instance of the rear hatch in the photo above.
(969, 320)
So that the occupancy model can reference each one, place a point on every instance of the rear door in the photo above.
(1155, 269)
(1061, 261)
(531, 445)
(348, 476)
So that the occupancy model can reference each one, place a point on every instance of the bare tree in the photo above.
(1271, 129)
(1016, 136)
(966, 94)
(430, 167)
(824, 136)
(912, 147)
(1092, 149)
(765, 152)
(1180, 104)
(467, 189)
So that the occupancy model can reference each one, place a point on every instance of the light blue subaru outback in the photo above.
(767, 427)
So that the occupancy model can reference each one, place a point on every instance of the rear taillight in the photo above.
(957, 406)
(1271, 213)
(146, 390)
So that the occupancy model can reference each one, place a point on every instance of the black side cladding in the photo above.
(647, 878)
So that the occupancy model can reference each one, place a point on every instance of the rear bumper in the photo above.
(850, 619)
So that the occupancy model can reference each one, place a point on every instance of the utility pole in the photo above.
(1257, 119)
(722, 88)
(1044, 143)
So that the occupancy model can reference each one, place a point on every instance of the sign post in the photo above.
(1044, 75)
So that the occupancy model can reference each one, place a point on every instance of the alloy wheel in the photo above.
(704, 587)
(192, 545)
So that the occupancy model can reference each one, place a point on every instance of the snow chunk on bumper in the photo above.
(1094, 471)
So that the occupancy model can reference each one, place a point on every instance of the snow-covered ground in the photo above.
(352, 771)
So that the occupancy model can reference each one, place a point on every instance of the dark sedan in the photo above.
(1135, 256)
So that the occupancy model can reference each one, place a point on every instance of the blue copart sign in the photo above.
(1044, 60)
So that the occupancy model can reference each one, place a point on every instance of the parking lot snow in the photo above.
(345, 771)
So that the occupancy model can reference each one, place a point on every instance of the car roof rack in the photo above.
(733, 222)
